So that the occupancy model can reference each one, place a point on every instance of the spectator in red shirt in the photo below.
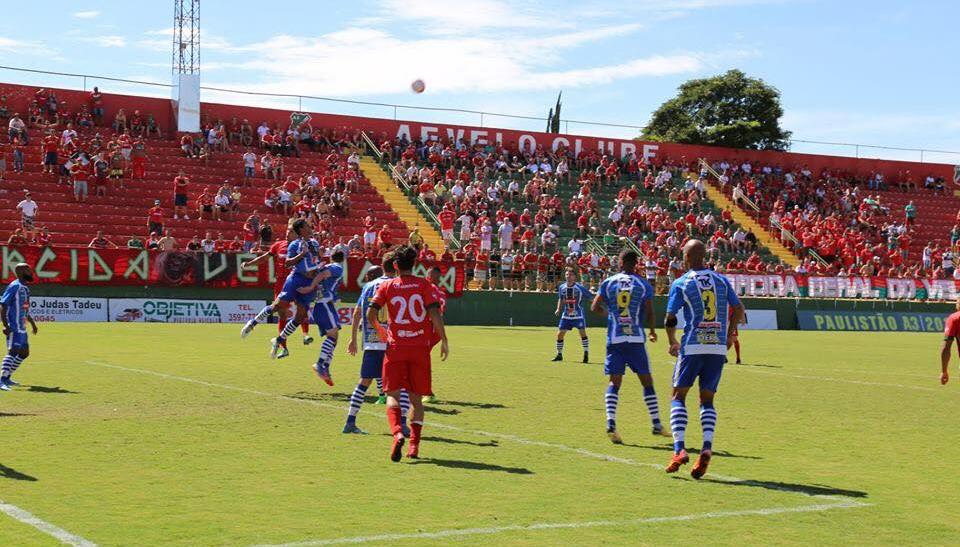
(155, 219)
(180, 183)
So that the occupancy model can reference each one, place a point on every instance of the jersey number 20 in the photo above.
(413, 305)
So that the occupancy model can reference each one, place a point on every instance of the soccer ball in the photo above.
(418, 86)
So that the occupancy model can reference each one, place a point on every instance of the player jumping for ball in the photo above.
(704, 296)
(278, 250)
(15, 313)
(413, 315)
(302, 260)
(570, 298)
(325, 285)
(627, 301)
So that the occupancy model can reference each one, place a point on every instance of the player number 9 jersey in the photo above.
(625, 297)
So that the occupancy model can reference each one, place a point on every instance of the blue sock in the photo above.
(404, 406)
(678, 423)
(708, 421)
(585, 342)
(650, 397)
(356, 401)
(263, 314)
(289, 329)
(326, 350)
(611, 399)
(380, 387)
(559, 347)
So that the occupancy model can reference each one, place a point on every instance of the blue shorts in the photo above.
(289, 292)
(570, 324)
(372, 364)
(706, 368)
(626, 354)
(325, 316)
(17, 340)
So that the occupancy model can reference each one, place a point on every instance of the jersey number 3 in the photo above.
(709, 304)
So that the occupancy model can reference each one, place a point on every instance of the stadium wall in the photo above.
(163, 112)
(523, 309)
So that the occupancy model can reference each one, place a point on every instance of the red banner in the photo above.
(78, 266)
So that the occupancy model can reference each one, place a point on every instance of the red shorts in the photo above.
(407, 367)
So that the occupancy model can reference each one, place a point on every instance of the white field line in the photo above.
(504, 436)
(748, 368)
(56, 532)
(834, 380)
(462, 532)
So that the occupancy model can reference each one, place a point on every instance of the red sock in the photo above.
(736, 346)
(393, 418)
(281, 322)
(305, 327)
(415, 429)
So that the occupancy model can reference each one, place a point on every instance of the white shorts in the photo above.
(269, 202)
(506, 244)
(446, 234)
(485, 244)
(465, 234)
(369, 238)
(480, 275)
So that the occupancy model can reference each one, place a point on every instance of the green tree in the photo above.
(553, 119)
(727, 110)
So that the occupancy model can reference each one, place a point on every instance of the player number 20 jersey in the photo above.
(705, 297)
(406, 300)
(625, 296)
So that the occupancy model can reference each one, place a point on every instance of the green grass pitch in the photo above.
(127, 434)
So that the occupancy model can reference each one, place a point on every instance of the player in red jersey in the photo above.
(414, 320)
(278, 250)
(441, 295)
(951, 332)
(734, 338)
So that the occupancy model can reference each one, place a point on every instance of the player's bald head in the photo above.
(694, 252)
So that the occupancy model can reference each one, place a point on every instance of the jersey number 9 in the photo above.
(623, 302)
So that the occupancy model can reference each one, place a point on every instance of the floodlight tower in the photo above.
(186, 64)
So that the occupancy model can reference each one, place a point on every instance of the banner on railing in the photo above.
(113, 267)
(844, 287)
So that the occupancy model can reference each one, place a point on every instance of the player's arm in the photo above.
(737, 318)
(33, 325)
(6, 327)
(317, 279)
(648, 311)
(354, 328)
(254, 261)
(438, 327)
(372, 317)
(944, 355)
(559, 304)
(292, 261)
(597, 306)
(674, 302)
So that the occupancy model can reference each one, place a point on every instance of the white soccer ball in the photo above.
(418, 86)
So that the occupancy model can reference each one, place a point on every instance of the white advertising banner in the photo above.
(68, 308)
(165, 310)
(756, 320)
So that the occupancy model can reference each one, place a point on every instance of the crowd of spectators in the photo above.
(841, 218)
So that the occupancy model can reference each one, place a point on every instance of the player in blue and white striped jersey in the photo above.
(711, 311)
(15, 313)
(374, 349)
(571, 296)
(627, 300)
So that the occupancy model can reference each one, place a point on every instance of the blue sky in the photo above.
(878, 72)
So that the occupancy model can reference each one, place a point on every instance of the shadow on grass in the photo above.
(9, 473)
(13, 414)
(808, 489)
(473, 466)
(45, 389)
(762, 365)
(309, 396)
(445, 440)
(469, 404)
(441, 411)
(720, 453)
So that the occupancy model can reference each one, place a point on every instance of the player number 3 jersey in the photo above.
(705, 297)
(371, 339)
(407, 299)
(625, 296)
